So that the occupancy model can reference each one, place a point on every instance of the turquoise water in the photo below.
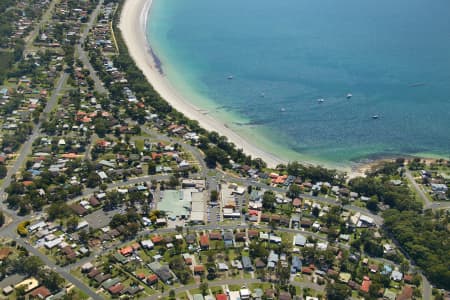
(393, 56)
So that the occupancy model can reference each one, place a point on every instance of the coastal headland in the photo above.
(132, 24)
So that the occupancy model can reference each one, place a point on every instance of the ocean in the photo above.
(392, 56)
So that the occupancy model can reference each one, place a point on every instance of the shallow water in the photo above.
(392, 56)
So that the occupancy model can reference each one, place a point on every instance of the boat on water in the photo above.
(349, 96)
(375, 117)
(282, 109)
(230, 77)
(262, 95)
(320, 100)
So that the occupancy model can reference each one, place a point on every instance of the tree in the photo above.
(72, 224)
(2, 218)
(3, 171)
(204, 288)
(214, 196)
(294, 191)
(93, 180)
(51, 279)
(269, 200)
(315, 211)
(29, 265)
(338, 291)
(173, 182)
(372, 205)
(58, 210)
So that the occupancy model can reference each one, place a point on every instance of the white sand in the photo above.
(132, 25)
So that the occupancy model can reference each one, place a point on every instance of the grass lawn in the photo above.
(216, 290)
(182, 296)
(139, 144)
(262, 286)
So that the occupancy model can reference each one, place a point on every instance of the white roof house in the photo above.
(53, 243)
(299, 240)
(147, 244)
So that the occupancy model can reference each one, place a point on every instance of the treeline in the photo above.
(314, 173)
(377, 185)
(425, 238)
(217, 148)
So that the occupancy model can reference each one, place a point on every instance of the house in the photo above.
(87, 267)
(259, 263)
(28, 284)
(306, 223)
(100, 278)
(373, 268)
(247, 263)
(8, 290)
(126, 251)
(93, 201)
(198, 297)
(120, 258)
(163, 272)
(244, 293)
(204, 242)
(272, 260)
(296, 264)
(40, 293)
(439, 187)
(69, 253)
(156, 239)
(297, 202)
(152, 279)
(284, 296)
(299, 240)
(199, 269)
(345, 277)
(221, 297)
(222, 267)
(190, 238)
(78, 209)
(252, 233)
(270, 294)
(147, 244)
(116, 289)
(396, 275)
(406, 293)
(228, 238)
(94, 272)
(4, 253)
(215, 236)
(365, 286)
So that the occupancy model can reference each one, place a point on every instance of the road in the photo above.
(428, 204)
(426, 201)
(62, 272)
(198, 156)
(240, 282)
(26, 149)
(82, 55)
(426, 288)
(29, 40)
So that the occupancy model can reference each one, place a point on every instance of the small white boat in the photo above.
(375, 117)
(262, 95)
(320, 100)
(349, 96)
(230, 77)
(282, 109)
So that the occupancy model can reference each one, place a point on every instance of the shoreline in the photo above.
(132, 24)
(133, 21)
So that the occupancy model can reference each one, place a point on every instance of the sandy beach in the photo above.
(132, 24)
